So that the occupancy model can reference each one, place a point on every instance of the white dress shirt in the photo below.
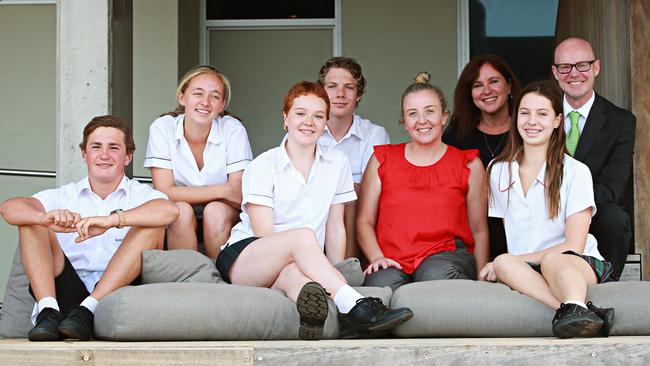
(584, 113)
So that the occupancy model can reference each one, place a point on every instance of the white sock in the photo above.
(576, 302)
(48, 302)
(90, 303)
(346, 298)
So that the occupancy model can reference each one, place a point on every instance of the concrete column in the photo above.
(93, 73)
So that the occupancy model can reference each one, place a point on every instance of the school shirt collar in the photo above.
(283, 160)
(355, 129)
(506, 182)
(584, 110)
(213, 137)
(84, 186)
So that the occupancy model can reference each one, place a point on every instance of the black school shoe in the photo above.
(607, 315)
(312, 307)
(573, 320)
(370, 318)
(46, 328)
(78, 324)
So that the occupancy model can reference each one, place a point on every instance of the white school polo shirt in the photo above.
(90, 257)
(525, 217)
(227, 151)
(272, 180)
(357, 144)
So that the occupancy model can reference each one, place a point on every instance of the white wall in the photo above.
(393, 42)
(27, 102)
(262, 65)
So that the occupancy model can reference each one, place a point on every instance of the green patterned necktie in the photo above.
(574, 133)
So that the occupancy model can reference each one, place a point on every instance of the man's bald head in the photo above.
(578, 86)
(574, 44)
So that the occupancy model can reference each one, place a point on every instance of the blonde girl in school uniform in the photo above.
(197, 156)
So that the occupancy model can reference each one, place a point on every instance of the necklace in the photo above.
(496, 149)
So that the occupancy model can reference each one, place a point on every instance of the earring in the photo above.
(285, 128)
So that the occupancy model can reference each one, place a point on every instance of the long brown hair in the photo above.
(514, 149)
(465, 113)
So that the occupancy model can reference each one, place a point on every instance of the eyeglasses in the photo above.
(581, 66)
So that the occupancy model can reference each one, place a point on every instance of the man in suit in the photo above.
(601, 135)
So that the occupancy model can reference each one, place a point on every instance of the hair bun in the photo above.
(422, 77)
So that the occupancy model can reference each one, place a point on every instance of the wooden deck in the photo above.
(457, 351)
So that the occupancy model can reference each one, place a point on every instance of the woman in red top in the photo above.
(423, 206)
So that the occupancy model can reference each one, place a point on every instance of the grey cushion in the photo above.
(184, 265)
(204, 311)
(350, 268)
(462, 308)
(17, 304)
(630, 301)
(180, 265)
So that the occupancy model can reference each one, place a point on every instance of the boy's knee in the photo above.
(185, 215)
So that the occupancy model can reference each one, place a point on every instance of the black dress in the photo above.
(489, 146)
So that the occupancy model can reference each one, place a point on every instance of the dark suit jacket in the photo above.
(606, 146)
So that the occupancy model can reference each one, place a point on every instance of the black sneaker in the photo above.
(573, 320)
(78, 324)
(312, 307)
(46, 326)
(370, 318)
(606, 314)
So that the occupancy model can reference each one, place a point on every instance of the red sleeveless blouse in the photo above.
(422, 209)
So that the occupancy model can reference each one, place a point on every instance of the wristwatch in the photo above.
(121, 216)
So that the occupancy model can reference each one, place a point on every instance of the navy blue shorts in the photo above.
(229, 254)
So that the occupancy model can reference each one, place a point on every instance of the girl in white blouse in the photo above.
(292, 210)
(197, 155)
(546, 200)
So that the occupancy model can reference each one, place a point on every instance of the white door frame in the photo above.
(463, 34)
(268, 24)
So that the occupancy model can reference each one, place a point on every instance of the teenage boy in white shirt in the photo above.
(84, 240)
(344, 83)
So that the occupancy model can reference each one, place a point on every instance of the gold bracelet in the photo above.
(121, 217)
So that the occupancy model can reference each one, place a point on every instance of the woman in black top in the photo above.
(483, 103)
